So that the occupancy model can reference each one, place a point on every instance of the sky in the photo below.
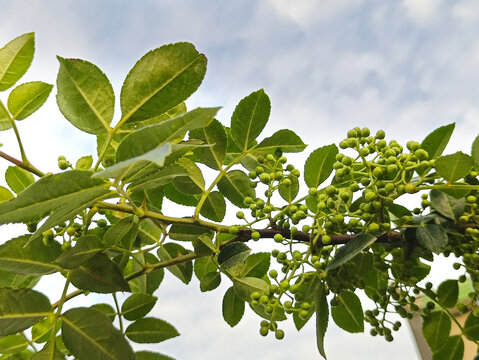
(406, 67)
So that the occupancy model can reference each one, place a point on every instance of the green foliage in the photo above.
(103, 225)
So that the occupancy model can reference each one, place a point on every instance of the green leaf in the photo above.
(210, 281)
(15, 59)
(150, 137)
(160, 80)
(319, 165)
(453, 349)
(86, 247)
(232, 254)
(249, 118)
(348, 314)
(27, 98)
(148, 355)
(49, 193)
(85, 96)
(432, 237)
(149, 282)
(214, 134)
(203, 266)
(149, 231)
(20, 309)
(49, 353)
(214, 207)
(183, 232)
(471, 327)
(137, 306)
(322, 316)
(289, 192)
(181, 271)
(285, 140)
(42, 330)
(447, 205)
(436, 142)
(436, 328)
(192, 184)
(447, 293)
(12, 344)
(244, 287)
(123, 168)
(22, 256)
(99, 274)
(454, 167)
(207, 240)
(5, 122)
(79, 202)
(18, 179)
(257, 265)
(150, 330)
(119, 230)
(351, 249)
(105, 309)
(5, 194)
(475, 151)
(84, 163)
(160, 177)
(89, 334)
(233, 307)
(13, 280)
(235, 185)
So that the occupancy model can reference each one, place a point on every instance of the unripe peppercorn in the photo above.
(63, 164)
(278, 238)
(233, 230)
(264, 178)
(410, 188)
(380, 134)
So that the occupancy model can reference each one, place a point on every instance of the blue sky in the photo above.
(403, 66)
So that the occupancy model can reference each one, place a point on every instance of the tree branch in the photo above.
(21, 164)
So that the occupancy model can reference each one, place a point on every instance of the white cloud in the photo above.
(466, 11)
(422, 11)
(306, 12)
